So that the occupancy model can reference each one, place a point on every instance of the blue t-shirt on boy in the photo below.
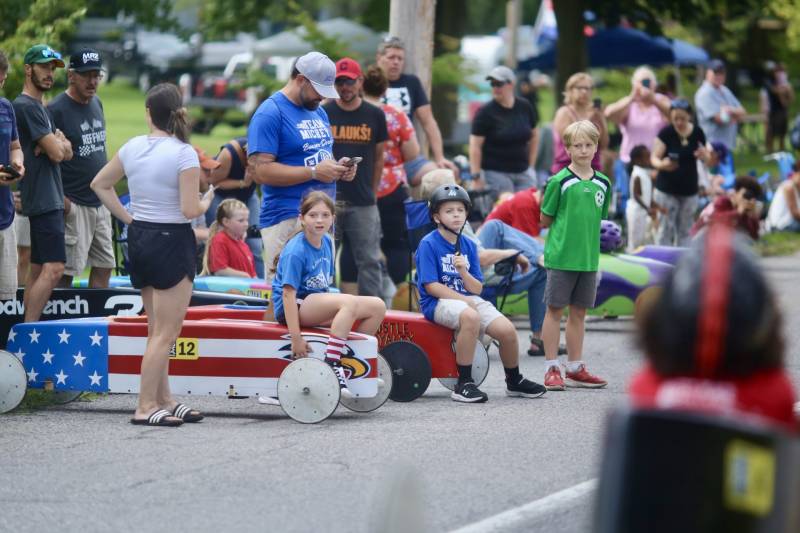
(8, 134)
(435, 263)
(304, 267)
(297, 137)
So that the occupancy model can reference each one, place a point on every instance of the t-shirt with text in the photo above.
(406, 93)
(355, 134)
(297, 137)
(507, 135)
(577, 207)
(41, 189)
(85, 127)
(303, 266)
(8, 134)
(435, 263)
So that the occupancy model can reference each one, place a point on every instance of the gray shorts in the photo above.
(565, 288)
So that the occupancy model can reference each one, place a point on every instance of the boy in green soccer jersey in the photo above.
(575, 201)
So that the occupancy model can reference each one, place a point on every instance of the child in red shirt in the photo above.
(713, 338)
(227, 254)
(521, 211)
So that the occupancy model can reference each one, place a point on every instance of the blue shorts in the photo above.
(47, 238)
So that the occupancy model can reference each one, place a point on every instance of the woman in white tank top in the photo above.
(784, 211)
(163, 174)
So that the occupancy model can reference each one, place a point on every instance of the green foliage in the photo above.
(319, 41)
(47, 21)
(224, 18)
(150, 13)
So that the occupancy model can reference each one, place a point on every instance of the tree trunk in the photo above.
(572, 55)
(412, 21)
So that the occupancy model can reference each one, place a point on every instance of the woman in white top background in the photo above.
(163, 174)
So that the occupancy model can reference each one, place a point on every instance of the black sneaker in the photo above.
(339, 371)
(469, 393)
(525, 388)
(537, 348)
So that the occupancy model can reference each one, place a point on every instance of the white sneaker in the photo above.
(268, 400)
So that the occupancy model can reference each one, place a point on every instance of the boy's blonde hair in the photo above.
(580, 128)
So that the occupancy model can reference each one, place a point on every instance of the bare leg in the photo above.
(469, 325)
(41, 281)
(575, 322)
(551, 332)
(23, 264)
(165, 319)
(504, 331)
(341, 311)
(99, 278)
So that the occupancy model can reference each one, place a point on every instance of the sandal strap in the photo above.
(158, 416)
(181, 410)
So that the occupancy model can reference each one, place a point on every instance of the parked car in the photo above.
(163, 57)
(230, 96)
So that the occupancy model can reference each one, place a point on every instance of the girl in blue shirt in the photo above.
(300, 289)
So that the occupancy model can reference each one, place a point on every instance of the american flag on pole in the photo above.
(70, 354)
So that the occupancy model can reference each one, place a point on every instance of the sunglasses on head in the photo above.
(48, 52)
(495, 83)
(680, 104)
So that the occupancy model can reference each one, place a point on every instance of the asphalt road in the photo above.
(430, 465)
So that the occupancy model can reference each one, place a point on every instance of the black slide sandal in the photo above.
(161, 418)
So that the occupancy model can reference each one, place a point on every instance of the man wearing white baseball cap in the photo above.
(290, 150)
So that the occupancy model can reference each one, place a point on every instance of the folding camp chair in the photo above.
(120, 238)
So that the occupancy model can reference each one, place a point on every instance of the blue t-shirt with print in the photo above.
(304, 267)
(435, 264)
(296, 137)
(8, 134)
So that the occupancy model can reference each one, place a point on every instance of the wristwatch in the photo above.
(475, 175)
(314, 172)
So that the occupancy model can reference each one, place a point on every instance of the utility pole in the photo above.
(412, 21)
(513, 18)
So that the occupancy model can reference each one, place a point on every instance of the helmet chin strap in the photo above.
(457, 234)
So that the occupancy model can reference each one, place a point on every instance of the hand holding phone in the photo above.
(353, 161)
(9, 173)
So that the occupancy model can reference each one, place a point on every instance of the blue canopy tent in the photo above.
(623, 47)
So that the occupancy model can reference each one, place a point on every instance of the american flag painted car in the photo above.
(212, 356)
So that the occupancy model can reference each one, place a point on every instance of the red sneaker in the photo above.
(553, 379)
(582, 378)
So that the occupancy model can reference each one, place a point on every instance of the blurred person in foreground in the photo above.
(713, 338)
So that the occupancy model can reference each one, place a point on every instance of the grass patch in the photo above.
(40, 399)
(124, 110)
(778, 243)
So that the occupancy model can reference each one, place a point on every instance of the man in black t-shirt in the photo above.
(44, 148)
(78, 112)
(405, 92)
(359, 130)
(503, 142)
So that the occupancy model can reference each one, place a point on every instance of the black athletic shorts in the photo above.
(161, 254)
(47, 238)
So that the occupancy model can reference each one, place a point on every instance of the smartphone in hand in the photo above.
(353, 161)
(13, 172)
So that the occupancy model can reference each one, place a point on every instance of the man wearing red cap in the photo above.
(359, 130)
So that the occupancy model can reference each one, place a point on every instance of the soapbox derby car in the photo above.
(228, 350)
(623, 279)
